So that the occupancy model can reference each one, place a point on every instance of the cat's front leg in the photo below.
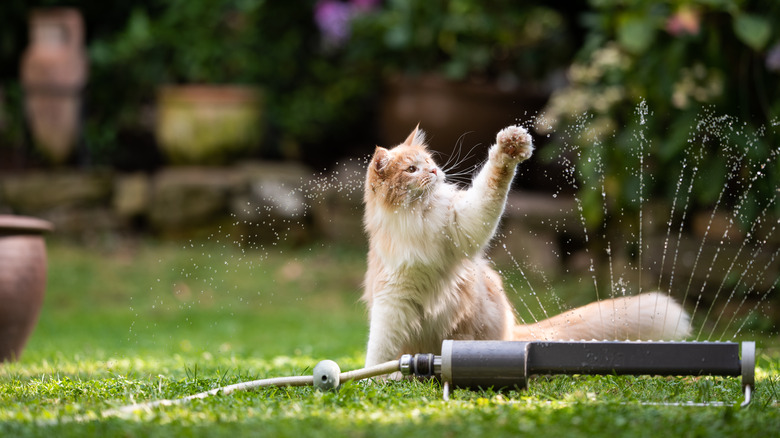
(388, 331)
(479, 209)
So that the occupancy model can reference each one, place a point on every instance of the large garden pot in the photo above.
(449, 110)
(208, 124)
(54, 73)
(22, 280)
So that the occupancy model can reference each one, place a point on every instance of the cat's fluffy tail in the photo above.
(650, 316)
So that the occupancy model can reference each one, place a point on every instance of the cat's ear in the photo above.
(380, 160)
(416, 137)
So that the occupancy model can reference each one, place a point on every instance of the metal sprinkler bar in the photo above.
(508, 364)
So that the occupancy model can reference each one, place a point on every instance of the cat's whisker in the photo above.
(466, 173)
(461, 178)
(457, 151)
(460, 182)
(459, 161)
(457, 157)
(438, 154)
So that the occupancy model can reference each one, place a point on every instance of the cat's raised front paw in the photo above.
(515, 142)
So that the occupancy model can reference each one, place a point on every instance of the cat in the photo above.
(429, 280)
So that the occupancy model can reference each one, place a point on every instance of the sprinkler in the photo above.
(510, 364)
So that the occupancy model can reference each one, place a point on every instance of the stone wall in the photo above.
(254, 201)
(262, 202)
(173, 202)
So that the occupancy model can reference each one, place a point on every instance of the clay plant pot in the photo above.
(208, 124)
(22, 281)
(54, 72)
(449, 110)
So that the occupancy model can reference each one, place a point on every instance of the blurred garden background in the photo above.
(202, 164)
(326, 80)
(315, 82)
(173, 119)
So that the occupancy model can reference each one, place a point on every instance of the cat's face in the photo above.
(404, 174)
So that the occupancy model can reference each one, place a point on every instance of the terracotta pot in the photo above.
(448, 110)
(22, 280)
(54, 73)
(208, 124)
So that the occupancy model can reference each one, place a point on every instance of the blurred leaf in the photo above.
(714, 173)
(677, 139)
(752, 30)
(592, 208)
(636, 33)
(397, 37)
(456, 69)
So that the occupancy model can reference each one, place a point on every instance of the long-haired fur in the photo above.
(428, 279)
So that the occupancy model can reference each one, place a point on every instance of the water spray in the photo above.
(510, 364)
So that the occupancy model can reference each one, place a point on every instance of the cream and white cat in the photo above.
(428, 279)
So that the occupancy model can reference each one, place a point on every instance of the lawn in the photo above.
(128, 322)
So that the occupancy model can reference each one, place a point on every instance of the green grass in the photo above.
(142, 322)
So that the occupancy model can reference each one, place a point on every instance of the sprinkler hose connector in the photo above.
(420, 365)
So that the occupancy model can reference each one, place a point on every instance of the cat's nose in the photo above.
(433, 171)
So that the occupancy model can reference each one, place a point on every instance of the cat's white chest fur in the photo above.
(415, 235)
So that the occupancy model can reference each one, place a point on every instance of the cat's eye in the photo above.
(411, 169)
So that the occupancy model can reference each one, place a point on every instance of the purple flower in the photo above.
(333, 18)
(773, 58)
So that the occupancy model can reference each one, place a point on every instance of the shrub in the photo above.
(653, 72)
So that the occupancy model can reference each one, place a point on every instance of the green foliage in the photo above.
(466, 38)
(754, 30)
(188, 42)
(11, 119)
(312, 95)
(700, 72)
(318, 96)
